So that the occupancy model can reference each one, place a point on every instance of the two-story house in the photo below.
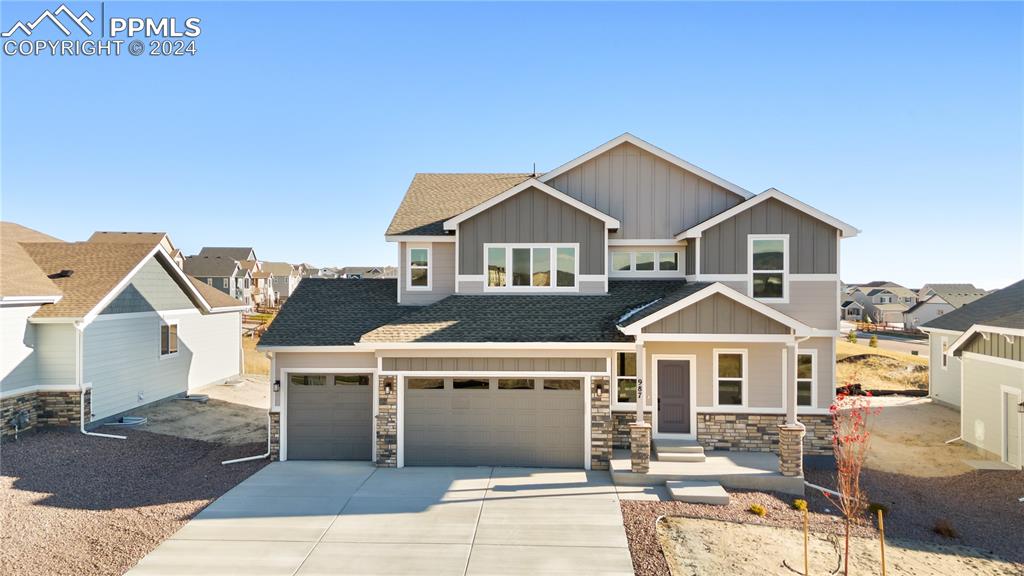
(934, 300)
(224, 274)
(883, 304)
(534, 314)
(285, 278)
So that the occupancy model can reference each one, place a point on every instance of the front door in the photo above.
(674, 396)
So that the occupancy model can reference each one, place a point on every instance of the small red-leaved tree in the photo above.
(850, 441)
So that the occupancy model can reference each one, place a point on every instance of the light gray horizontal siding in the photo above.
(495, 364)
(55, 354)
(997, 346)
(812, 243)
(716, 315)
(652, 198)
(532, 217)
(17, 347)
(152, 288)
(442, 269)
(813, 302)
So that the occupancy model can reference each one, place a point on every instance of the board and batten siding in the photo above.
(812, 243)
(652, 198)
(122, 358)
(716, 314)
(442, 274)
(152, 288)
(997, 346)
(459, 364)
(532, 216)
(17, 347)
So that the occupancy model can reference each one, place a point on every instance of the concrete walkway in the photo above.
(311, 518)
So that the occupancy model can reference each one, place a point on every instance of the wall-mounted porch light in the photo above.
(277, 385)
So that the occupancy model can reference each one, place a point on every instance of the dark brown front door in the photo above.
(674, 396)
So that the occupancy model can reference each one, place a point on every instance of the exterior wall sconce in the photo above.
(1020, 408)
(277, 386)
(387, 389)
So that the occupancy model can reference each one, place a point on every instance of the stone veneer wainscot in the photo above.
(44, 408)
(760, 432)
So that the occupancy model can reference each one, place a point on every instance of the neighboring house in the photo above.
(306, 270)
(119, 320)
(883, 302)
(234, 253)
(286, 278)
(938, 299)
(224, 274)
(984, 355)
(262, 292)
(852, 311)
(368, 272)
(531, 312)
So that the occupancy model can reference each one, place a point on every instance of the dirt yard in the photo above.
(909, 437)
(236, 413)
(696, 546)
(74, 505)
(878, 369)
(254, 362)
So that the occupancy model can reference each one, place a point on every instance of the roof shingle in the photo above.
(1003, 308)
(433, 198)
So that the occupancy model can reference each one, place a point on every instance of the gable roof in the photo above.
(333, 312)
(211, 266)
(894, 290)
(433, 198)
(235, 253)
(652, 149)
(845, 229)
(1002, 308)
(534, 184)
(634, 322)
(215, 298)
(957, 295)
(21, 279)
(151, 238)
(279, 268)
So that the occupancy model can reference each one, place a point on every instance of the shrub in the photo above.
(945, 528)
(758, 510)
(874, 507)
(800, 504)
(851, 336)
(873, 342)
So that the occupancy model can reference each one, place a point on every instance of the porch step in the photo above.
(664, 446)
(680, 456)
(698, 492)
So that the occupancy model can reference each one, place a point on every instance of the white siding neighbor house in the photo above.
(118, 320)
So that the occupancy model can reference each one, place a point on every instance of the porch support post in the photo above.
(791, 434)
(790, 383)
(641, 382)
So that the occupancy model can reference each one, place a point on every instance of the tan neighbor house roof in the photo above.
(433, 198)
(20, 276)
(214, 297)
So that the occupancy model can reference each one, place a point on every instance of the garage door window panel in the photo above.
(470, 384)
(425, 383)
(515, 384)
(563, 384)
(352, 380)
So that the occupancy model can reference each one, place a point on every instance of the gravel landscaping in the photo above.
(989, 520)
(73, 504)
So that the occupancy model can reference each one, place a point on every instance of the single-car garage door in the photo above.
(494, 422)
(330, 417)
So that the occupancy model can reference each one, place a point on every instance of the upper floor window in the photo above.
(769, 267)
(944, 362)
(626, 262)
(521, 267)
(224, 283)
(418, 273)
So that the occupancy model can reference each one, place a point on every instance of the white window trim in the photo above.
(744, 396)
(177, 339)
(785, 266)
(616, 405)
(226, 282)
(657, 272)
(553, 246)
(814, 378)
(408, 267)
(944, 358)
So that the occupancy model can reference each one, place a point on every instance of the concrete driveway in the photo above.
(309, 518)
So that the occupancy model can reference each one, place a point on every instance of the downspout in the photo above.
(273, 362)
(79, 330)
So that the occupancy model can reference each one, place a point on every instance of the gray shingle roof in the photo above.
(334, 312)
(233, 252)
(532, 318)
(433, 198)
(1003, 308)
(956, 295)
(210, 266)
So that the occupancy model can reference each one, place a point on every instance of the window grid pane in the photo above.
(668, 261)
(730, 392)
(425, 383)
(471, 384)
(418, 257)
(730, 366)
(515, 384)
(626, 390)
(561, 384)
(803, 392)
(542, 267)
(495, 266)
(645, 260)
(621, 261)
(520, 266)
(566, 267)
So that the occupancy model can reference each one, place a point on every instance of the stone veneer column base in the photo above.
(387, 422)
(620, 427)
(275, 436)
(791, 449)
(600, 424)
(640, 447)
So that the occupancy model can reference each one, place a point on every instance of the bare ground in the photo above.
(882, 372)
(908, 436)
(75, 505)
(235, 414)
(695, 546)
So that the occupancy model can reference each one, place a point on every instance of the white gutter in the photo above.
(82, 387)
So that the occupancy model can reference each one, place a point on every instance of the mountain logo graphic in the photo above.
(27, 29)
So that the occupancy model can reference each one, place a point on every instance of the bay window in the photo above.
(768, 263)
(531, 267)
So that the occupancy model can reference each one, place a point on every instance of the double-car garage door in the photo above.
(448, 421)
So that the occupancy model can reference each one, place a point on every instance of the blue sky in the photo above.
(298, 126)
